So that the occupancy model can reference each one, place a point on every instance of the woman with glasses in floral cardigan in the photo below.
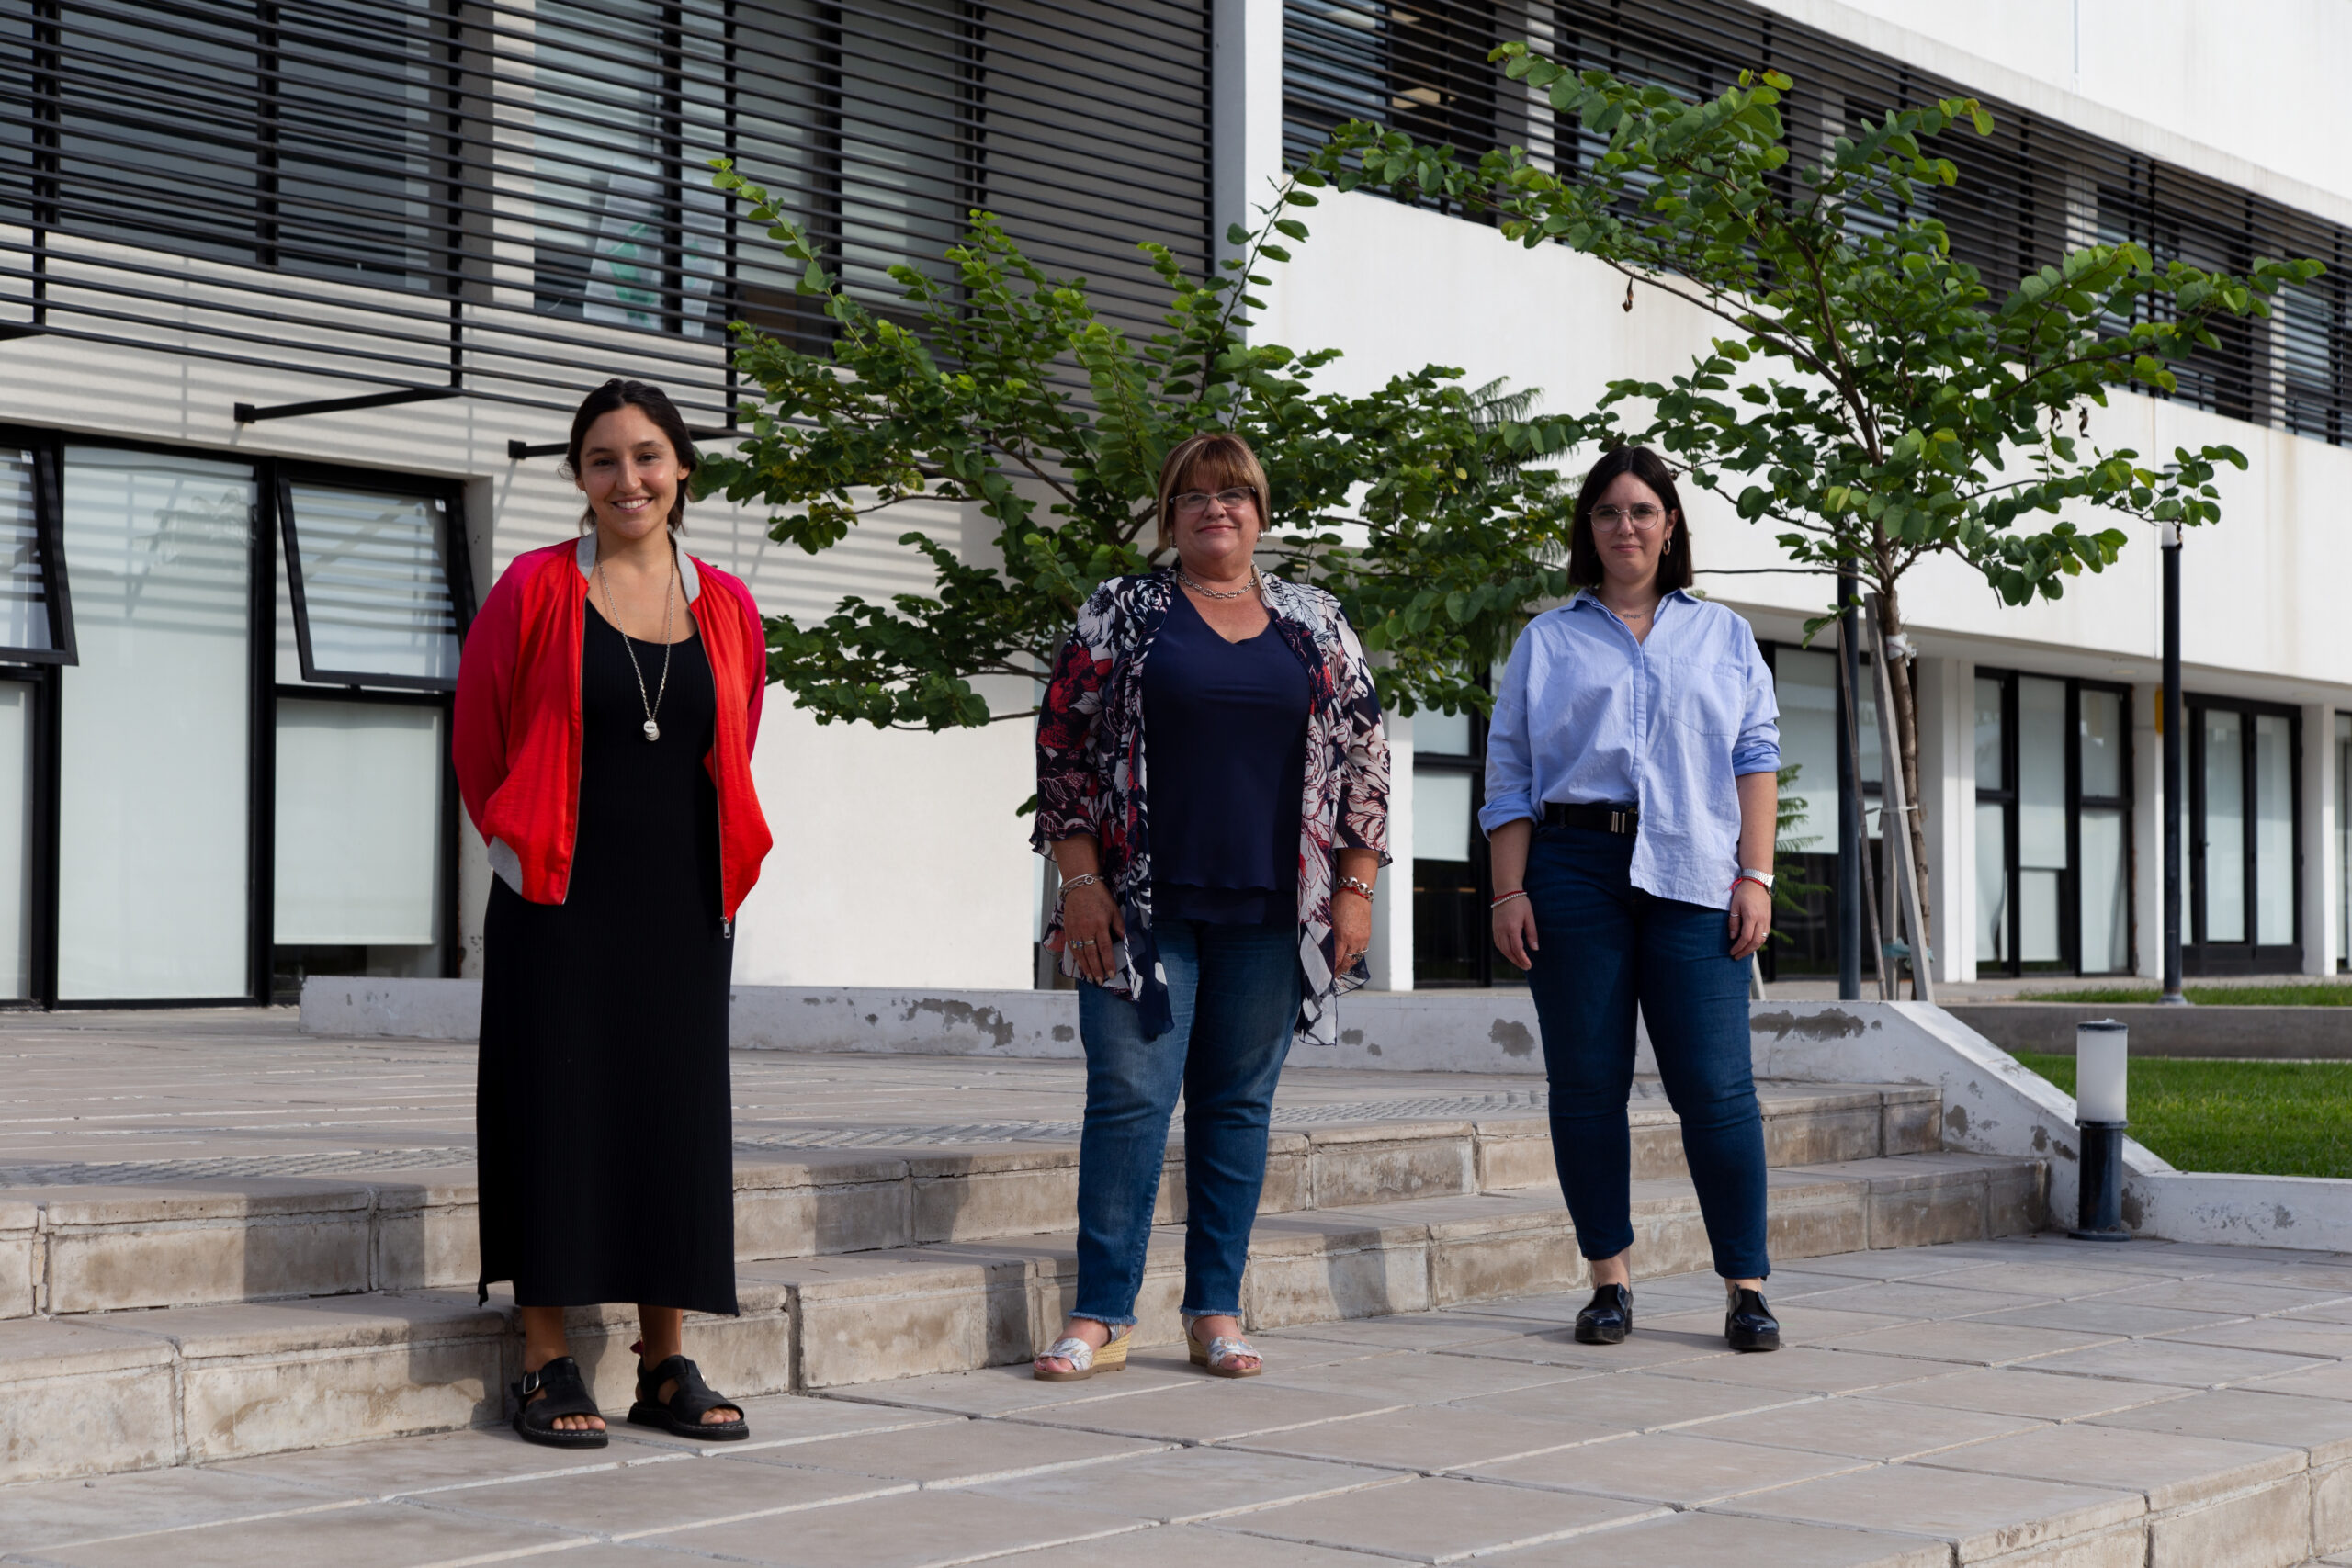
(1215, 903)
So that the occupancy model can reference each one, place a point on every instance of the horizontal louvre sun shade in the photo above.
(2031, 191)
(513, 200)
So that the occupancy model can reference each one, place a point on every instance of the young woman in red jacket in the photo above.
(607, 703)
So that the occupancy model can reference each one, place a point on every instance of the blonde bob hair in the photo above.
(1213, 460)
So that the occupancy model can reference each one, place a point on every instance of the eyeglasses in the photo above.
(1644, 517)
(1194, 503)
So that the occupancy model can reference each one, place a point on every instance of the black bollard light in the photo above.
(2102, 1056)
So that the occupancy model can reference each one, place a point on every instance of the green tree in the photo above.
(1425, 505)
(1870, 399)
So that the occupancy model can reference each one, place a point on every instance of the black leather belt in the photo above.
(1599, 818)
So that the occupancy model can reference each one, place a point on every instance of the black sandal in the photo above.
(561, 1393)
(682, 1414)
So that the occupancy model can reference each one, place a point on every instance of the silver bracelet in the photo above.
(1356, 885)
(1084, 879)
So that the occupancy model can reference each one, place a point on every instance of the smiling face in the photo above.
(630, 474)
(1630, 530)
(1215, 540)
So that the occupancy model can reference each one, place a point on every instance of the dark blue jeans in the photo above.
(1604, 946)
(1234, 992)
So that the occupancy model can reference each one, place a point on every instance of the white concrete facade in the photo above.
(899, 859)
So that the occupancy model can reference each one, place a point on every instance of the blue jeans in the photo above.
(1235, 992)
(1604, 945)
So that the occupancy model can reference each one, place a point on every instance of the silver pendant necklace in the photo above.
(653, 705)
(1206, 592)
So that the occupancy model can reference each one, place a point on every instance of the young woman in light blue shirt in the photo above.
(1631, 802)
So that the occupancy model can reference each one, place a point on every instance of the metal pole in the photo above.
(1905, 875)
(2175, 806)
(1850, 847)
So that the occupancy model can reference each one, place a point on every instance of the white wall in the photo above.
(2246, 78)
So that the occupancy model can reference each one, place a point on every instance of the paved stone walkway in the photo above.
(2023, 1402)
(180, 1095)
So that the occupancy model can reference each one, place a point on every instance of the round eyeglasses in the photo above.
(1644, 518)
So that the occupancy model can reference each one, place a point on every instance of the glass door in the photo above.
(2244, 904)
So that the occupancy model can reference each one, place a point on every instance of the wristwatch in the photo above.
(1762, 878)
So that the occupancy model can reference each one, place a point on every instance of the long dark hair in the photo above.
(1584, 557)
(617, 393)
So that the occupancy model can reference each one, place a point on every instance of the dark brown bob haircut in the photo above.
(1584, 557)
(615, 394)
(1213, 460)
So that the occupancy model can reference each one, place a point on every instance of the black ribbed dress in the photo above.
(604, 1117)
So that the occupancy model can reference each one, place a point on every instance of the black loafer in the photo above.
(1749, 1324)
(1609, 1319)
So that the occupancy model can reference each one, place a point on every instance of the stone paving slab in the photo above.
(1432, 1437)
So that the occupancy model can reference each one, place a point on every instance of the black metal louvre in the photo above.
(2026, 194)
(513, 199)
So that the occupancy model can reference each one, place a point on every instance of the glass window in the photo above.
(2223, 829)
(24, 593)
(2274, 831)
(370, 587)
(2107, 893)
(164, 103)
(1441, 816)
(616, 239)
(17, 699)
(1992, 884)
(2344, 840)
(359, 824)
(2041, 818)
(308, 137)
(154, 862)
(1806, 683)
(353, 155)
(1440, 734)
(2101, 729)
(1990, 760)
(2101, 833)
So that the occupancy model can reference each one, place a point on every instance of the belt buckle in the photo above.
(1617, 822)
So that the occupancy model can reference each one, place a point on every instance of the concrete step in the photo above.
(119, 1389)
(67, 1251)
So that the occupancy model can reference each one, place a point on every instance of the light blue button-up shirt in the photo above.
(1588, 713)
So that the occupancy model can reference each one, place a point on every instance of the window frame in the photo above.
(451, 538)
(2070, 883)
(47, 451)
(44, 871)
(2252, 957)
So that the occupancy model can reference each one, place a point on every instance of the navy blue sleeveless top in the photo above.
(1226, 734)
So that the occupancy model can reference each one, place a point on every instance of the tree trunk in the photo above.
(1907, 737)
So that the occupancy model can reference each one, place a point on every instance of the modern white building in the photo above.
(295, 297)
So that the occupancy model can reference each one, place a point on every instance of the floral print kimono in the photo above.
(1092, 777)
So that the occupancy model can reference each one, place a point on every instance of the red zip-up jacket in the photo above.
(518, 730)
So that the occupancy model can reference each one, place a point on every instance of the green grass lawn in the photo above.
(2257, 1118)
(2314, 994)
